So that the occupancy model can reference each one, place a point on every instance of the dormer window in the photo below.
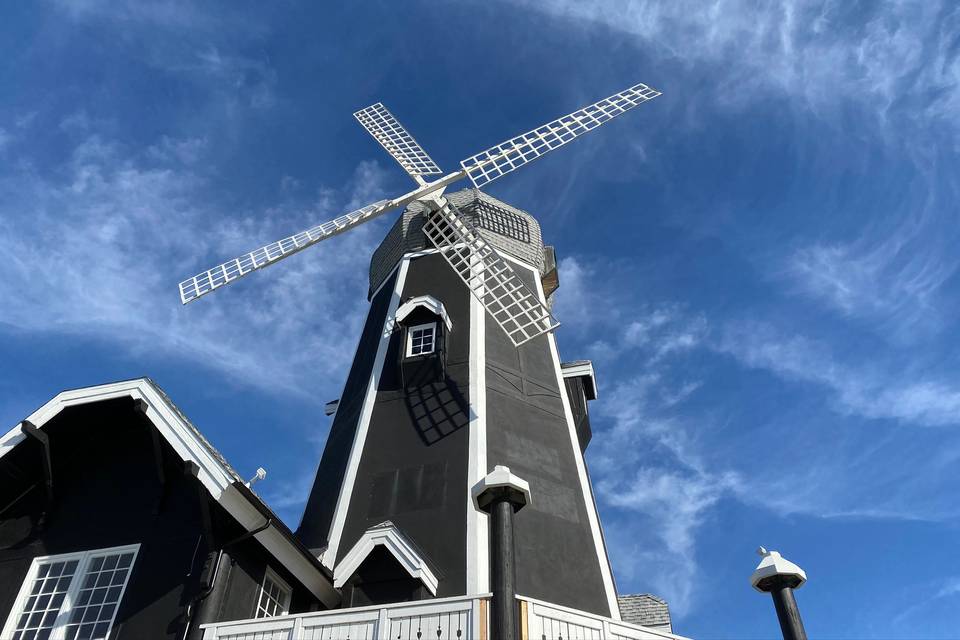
(421, 339)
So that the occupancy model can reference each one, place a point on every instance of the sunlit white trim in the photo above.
(587, 493)
(396, 543)
(429, 303)
(329, 557)
(478, 549)
(582, 369)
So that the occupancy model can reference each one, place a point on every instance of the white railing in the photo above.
(544, 621)
(463, 618)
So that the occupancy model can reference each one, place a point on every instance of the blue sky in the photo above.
(761, 263)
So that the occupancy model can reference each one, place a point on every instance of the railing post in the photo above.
(297, 631)
(383, 625)
(501, 494)
(478, 621)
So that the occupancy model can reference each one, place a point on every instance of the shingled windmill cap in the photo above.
(774, 565)
(500, 482)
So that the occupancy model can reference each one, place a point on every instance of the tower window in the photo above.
(421, 339)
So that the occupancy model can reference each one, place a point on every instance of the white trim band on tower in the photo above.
(478, 529)
(329, 557)
(389, 536)
(587, 492)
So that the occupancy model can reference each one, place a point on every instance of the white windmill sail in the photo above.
(503, 293)
(222, 274)
(487, 166)
(489, 277)
(394, 138)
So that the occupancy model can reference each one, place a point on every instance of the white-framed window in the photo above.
(72, 596)
(274, 597)
(421, 339)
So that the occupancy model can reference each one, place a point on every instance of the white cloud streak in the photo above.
(813, 52)
(96, 249)
(669, 495)
(866, 390)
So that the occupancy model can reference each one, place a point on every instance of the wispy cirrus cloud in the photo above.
(865, 389)
(669, 494)
(814, 52)
(120, 228)
(685, 460)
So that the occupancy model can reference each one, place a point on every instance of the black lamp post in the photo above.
(501, 494)
(779, 577)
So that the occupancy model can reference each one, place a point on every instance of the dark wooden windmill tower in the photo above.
(456, 373)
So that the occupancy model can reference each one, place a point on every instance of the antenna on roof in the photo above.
(257, 477)
(505, 296)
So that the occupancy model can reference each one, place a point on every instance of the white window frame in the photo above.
(421, 327)
(63, 617)
(285, 589)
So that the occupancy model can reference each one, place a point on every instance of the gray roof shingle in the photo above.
(645, 609)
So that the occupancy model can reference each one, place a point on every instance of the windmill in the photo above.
(504, 295)
(456, 372)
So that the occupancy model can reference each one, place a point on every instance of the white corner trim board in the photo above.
(329, 556)
(216, 478)
(389, 536)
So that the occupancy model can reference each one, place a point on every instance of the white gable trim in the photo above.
(216, 478)
(429, 303)
(389, 536)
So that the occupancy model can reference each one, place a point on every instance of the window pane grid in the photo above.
(71, 596)
(421, 340)
(47, 594)
(273, 600)
(97, 600)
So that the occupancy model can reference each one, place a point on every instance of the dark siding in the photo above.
(107, 494)
(318, 513)
(244, 567)
(381, 580)
(578, 407)
(527, 431)
(414, 467)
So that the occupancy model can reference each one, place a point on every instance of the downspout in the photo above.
(206, 604)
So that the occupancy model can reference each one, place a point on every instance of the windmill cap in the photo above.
(774, 568)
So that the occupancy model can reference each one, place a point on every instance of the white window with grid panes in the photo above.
(274, 597)
(72, 596)
(421, 339)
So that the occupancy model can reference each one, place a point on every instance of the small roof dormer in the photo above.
(428, 303)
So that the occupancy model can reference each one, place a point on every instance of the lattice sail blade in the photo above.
(500, 160)
(504, 295)
(394, 138)
(223, 274)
